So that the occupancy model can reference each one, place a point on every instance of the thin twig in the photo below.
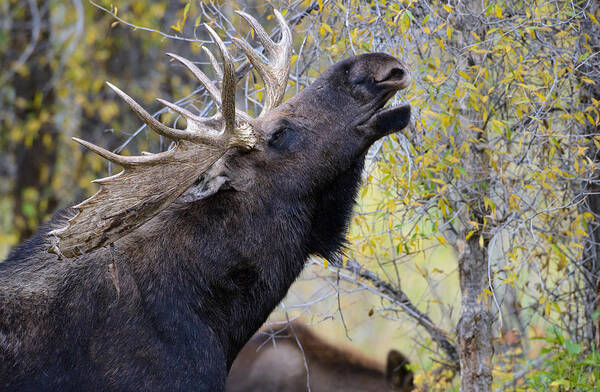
(397, 296)
(135, 27)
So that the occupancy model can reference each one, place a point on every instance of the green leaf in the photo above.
(572, 348)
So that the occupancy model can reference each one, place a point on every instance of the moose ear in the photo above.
(398, 376)
(389, 120)
(209, 183)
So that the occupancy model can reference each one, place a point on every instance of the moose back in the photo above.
(278, 360)
(158, 280)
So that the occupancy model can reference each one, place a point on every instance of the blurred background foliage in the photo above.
(482, 214)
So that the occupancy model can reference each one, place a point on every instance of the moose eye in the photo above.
(282, 139)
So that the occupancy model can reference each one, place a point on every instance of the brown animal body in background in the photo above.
(274, 364)
(158, 280)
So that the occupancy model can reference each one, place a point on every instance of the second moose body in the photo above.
(203, 259)
(276, 360)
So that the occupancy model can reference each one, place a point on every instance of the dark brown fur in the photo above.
(196, 281)
(272, 364)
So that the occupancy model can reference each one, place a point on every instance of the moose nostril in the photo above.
(396, 73)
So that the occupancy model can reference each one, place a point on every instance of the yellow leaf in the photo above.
(440, 43)
(487, 202)
(422, 271)
(474, 224)
(464, 75)
(557, 307)
(588, 80)
(185, 13)
(404, 22)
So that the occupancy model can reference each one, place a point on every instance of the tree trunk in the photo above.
(474, 326)
(590, 91)
(35, 153)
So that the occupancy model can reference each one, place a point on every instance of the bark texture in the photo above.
(474, 326)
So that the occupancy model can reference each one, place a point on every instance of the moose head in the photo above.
(294, 148)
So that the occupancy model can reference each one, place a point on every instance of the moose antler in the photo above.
(149, 183)
(275, 73)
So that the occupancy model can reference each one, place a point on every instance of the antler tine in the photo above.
(206, 82)
(183, 111)
(263, 37)
(276, 72)
(214, 63)
(201, 76)
(285, 42)
(114, 158)
(125, 161)
(195, 124)
(228, 83)
(147, 118)
(160, 128)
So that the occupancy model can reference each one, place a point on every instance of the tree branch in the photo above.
(361, 276)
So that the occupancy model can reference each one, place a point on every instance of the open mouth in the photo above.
(400, 109)
(387, 120)
(385, 99)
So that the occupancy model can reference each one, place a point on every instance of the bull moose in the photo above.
(160, 278)
(275, 361)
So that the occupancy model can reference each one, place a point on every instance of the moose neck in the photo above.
(231, 259)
